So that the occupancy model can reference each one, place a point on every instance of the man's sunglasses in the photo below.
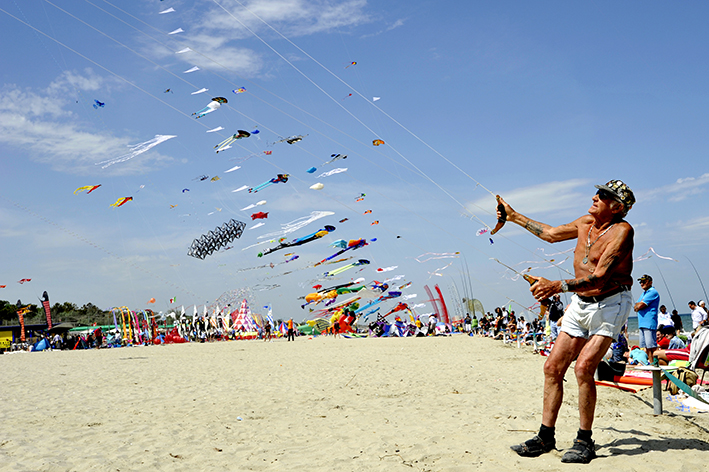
(605, 195)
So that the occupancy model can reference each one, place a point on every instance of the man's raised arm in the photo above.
(543, 231)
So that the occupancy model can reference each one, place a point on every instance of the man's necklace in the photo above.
(590, 244)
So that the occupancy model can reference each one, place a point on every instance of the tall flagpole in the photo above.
(700, 279)
(674, 307)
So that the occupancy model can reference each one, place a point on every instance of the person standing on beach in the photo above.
(556, 311)
(291, 331)
(599, 307)
(699, 316)
(646, 309)
(677, 321)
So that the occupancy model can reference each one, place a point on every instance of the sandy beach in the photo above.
(430, 404)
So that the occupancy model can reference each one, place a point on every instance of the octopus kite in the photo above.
(214, 105)
(226, 144)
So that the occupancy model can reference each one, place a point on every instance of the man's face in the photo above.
(603, 202)
(692, 306)
(645, 284)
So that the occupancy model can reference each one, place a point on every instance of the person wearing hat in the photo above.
(646, 308)
(598, 310)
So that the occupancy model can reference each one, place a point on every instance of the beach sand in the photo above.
(425, 404)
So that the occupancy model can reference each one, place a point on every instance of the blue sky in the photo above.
(535, 101)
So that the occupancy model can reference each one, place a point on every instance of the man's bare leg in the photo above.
(586, 365)
(562, 355)
(564, 352)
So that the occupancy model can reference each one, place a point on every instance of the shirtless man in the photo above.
(599, 308)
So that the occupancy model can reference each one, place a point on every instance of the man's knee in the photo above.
(554, 370)
(585, 368)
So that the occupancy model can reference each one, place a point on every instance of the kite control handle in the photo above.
(544, 304)
(502, 219)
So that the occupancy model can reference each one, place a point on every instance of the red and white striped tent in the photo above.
(242, 320)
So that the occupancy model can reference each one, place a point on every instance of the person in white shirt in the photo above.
(664, 318)
(699, 315)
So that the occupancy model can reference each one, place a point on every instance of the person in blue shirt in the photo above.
(646, 308)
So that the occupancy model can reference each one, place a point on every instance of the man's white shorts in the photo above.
(604, 318)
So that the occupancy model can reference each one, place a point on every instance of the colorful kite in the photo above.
(214, 105)
(226, 144)
(98, 104)
(351, 245)
(90, 189)
(215, 178)
(121, 201)
(366, 212)
(361, 197)
(339, 270)
(299, 241)
(280, 178)
(335, 157)
(353, 63)
(343, 220)
(291, 139)
(377, 142)
(260, 215)
(311, 170)
(239, 90)
(375, 222)
(21, 281)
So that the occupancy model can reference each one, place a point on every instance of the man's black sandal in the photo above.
(580, 453)
(533, 447)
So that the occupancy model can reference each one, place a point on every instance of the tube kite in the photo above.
(299, 241)
(136, 150)
(280, 178)
(121, 201)
(90, 189)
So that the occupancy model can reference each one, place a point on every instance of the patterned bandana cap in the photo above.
(620, 191)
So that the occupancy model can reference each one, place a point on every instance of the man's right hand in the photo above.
(509, 212)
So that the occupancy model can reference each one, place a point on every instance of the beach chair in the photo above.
(704, 365)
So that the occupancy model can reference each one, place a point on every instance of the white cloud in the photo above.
(396, 24)
(681, 189)
(39, 123)
(214, 33)
(549, 197)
